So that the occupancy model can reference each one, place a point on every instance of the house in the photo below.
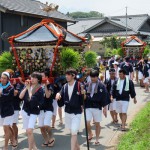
(138, 25)
(135, 25)
(18, 15)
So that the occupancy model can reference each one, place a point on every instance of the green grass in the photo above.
(138, 137)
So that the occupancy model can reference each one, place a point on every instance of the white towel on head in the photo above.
(6, 74)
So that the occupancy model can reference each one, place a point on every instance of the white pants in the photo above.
(72, 122)
(16, 116)
(55, 106)
(7, 121)
(94, 113)
(146, 80)
(45, 118)
(28, 121)
(140, 75)
(112, 105)
(122, 106)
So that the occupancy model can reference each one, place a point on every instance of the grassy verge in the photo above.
(138, 137)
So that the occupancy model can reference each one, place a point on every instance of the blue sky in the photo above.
(108, 7)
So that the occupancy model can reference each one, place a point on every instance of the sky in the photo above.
(107, 7)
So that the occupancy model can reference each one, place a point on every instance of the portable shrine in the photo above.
(133, 47)
(38, 47)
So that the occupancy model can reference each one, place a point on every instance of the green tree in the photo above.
(80, 14)
(146, 51)
(69, 58)
(112, 42)
(118, 51)
(90, 58)
(108, 52)
(6, 61)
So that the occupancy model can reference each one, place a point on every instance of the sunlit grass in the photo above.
(138, 138)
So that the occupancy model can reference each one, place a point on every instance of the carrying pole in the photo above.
(86, 130)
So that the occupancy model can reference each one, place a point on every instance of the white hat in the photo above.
(115, 63)
(6, 74)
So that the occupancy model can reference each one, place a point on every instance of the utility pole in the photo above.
(126, 22)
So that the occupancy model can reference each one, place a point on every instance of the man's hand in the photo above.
(47, 83)
(15, 92)
(1, 90)
(112, 99)
(27, 84)
(58, 96)
(14, 82)
(135, 101)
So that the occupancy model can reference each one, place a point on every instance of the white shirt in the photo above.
(121, 86)
(112, 82)
(117, 72)
(88, 79)
(70, 90)
(93, 88)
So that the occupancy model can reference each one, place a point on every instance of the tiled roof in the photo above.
(134, 22)
(31, 7)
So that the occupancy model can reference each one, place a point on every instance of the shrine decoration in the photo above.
(133, 47)
(38, 47)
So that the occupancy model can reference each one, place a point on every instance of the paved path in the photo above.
(108, 133)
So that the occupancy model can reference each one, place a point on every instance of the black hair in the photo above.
(47, 74)
(72, 72)
(94, 73)
(122, 71)
(38, 76)
(112, 70)
(127, 59)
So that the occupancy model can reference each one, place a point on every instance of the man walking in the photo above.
(127, 66)
(96, 98)
(70, 96)
(109, 84)
(122, 89)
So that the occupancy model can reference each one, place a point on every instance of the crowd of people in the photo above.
(107, 86)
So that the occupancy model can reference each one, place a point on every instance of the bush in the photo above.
(6, 61)
(146, 51)
(108, 52)
(69, 58)
(118, 51)
(90, 58)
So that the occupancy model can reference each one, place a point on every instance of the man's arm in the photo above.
(132, 91)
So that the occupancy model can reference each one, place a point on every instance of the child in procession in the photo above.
(33, 98)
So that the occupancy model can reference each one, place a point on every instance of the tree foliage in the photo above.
(109, 52)
(90, 58)
(69, 58)
(80, 14)
(112, 42)
(6, 61)
(146, 51)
